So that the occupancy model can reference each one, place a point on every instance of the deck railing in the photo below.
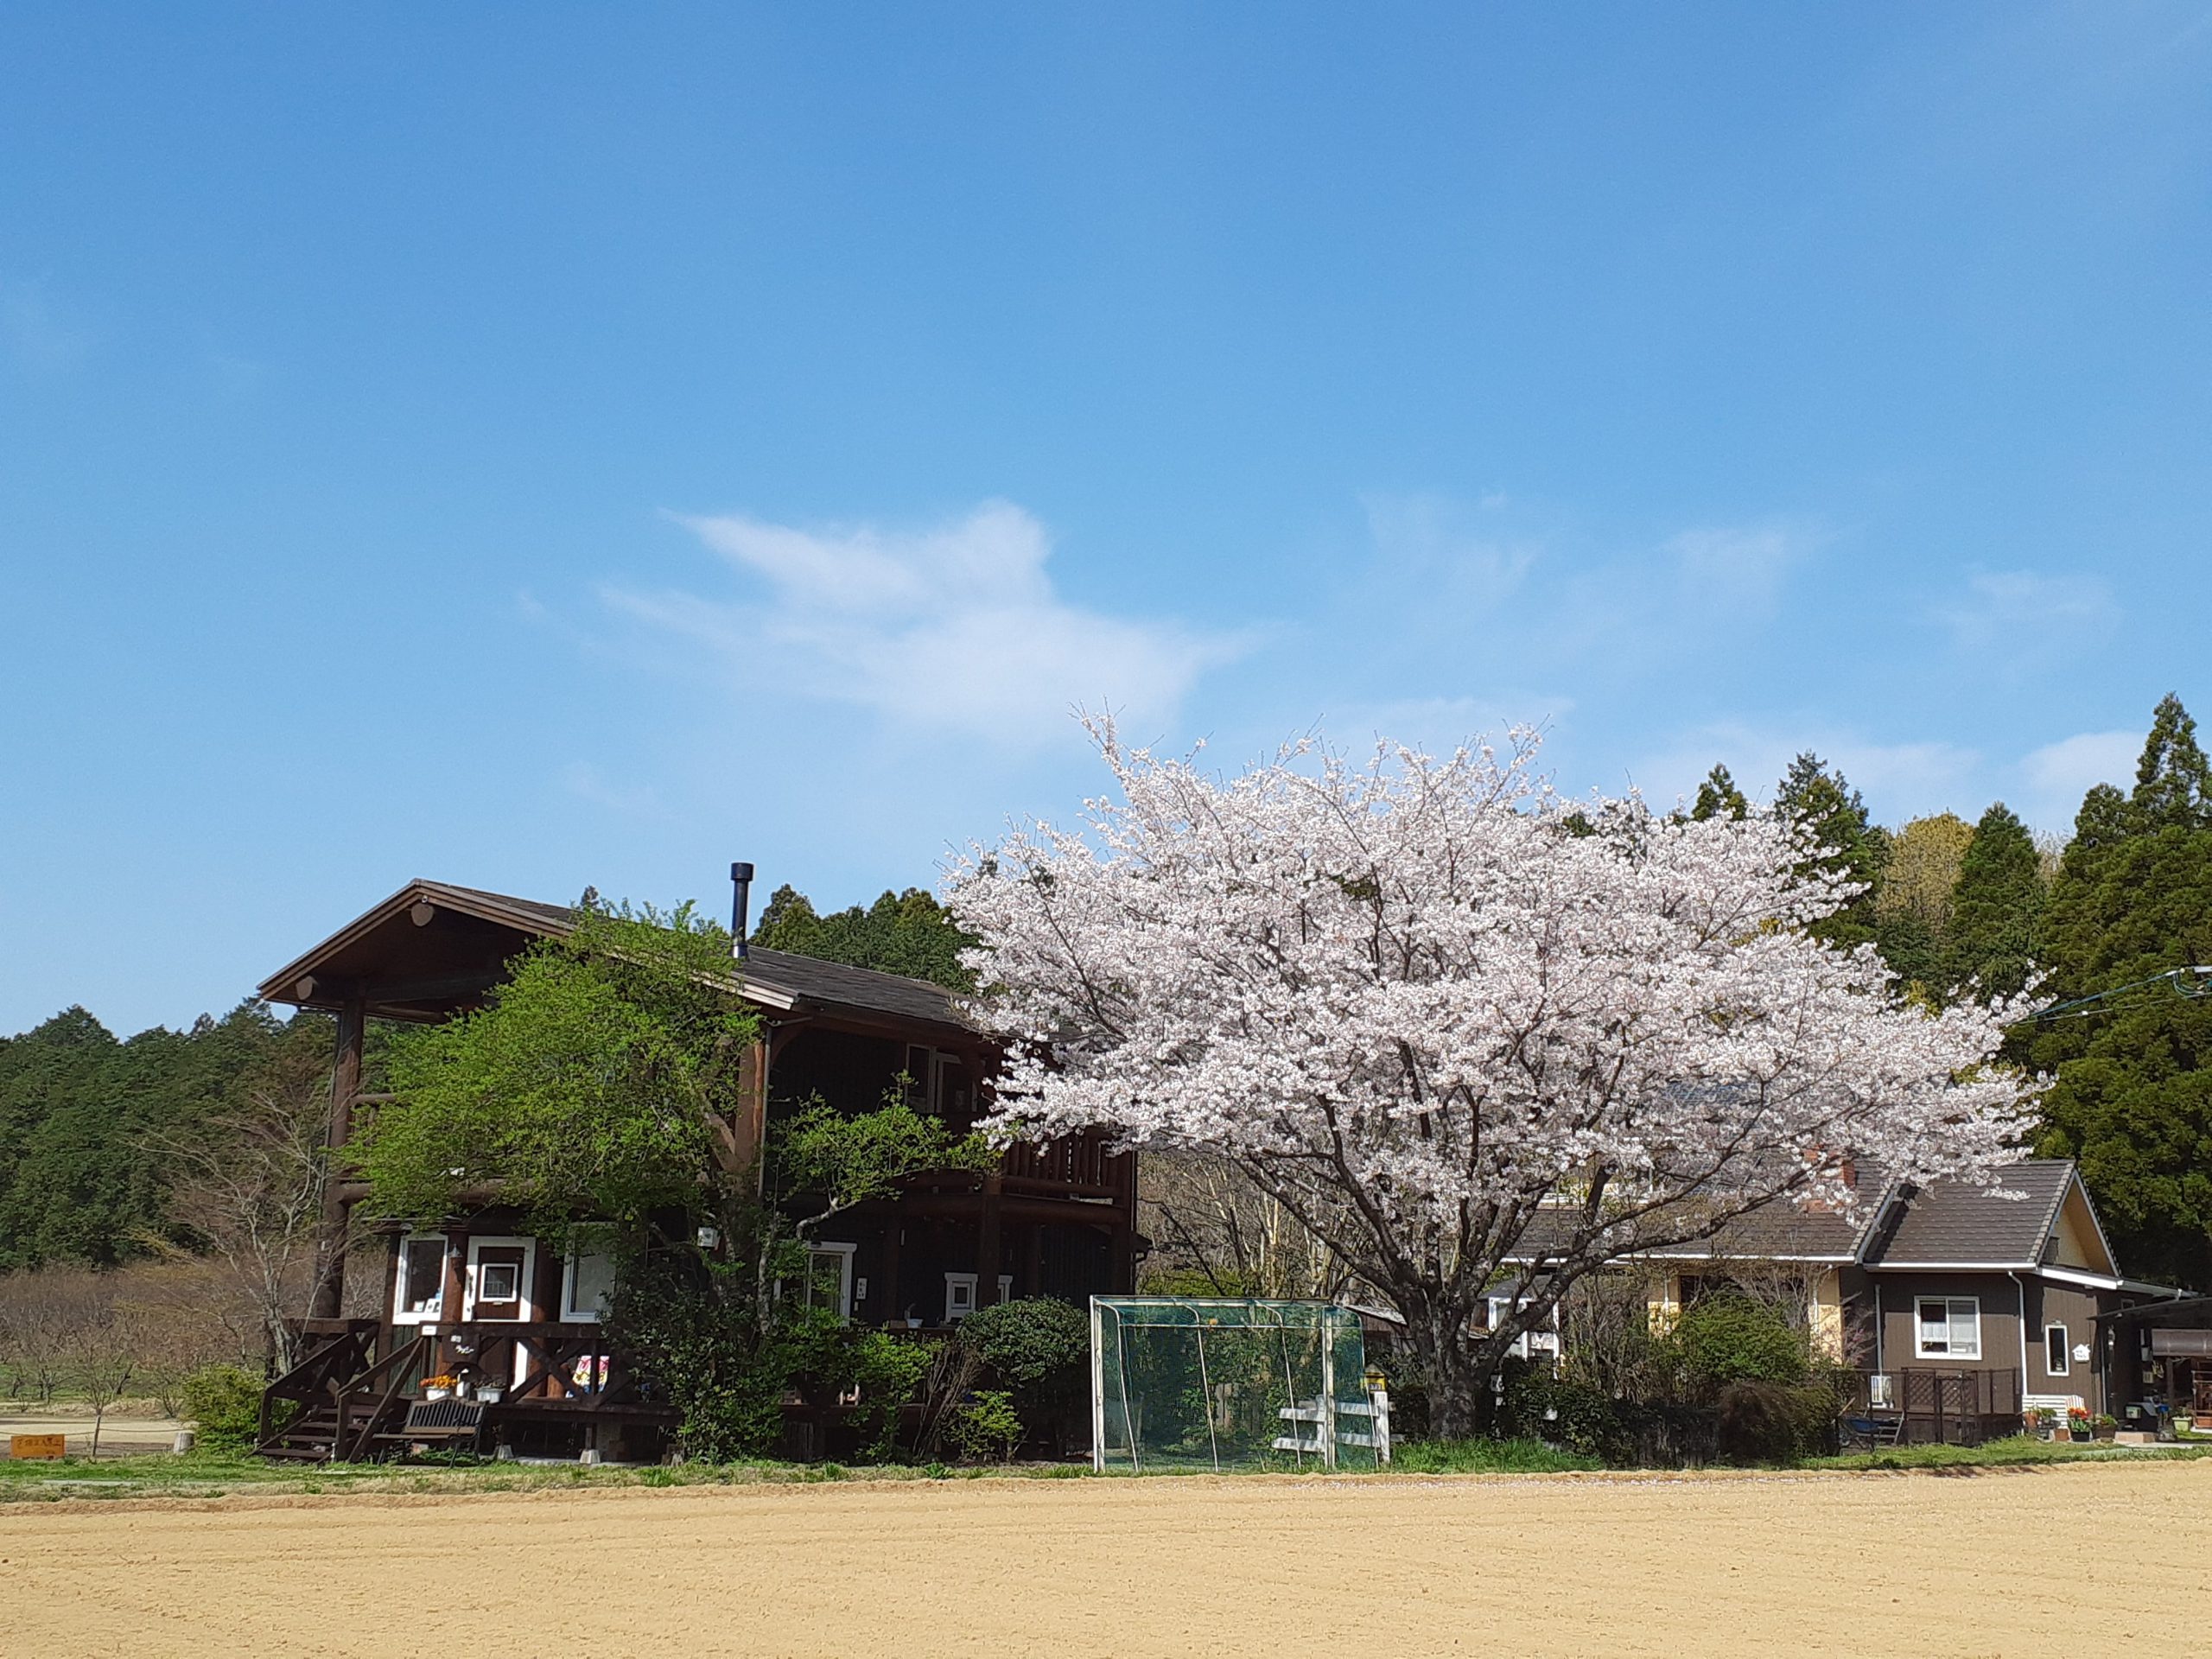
(1081, 1162)
(1949, 1405)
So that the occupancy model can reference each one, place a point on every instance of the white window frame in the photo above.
(968, 1281)
(1951, 1348)
(2064, 1350)
(431, 1312)
(528, 1276)
(571, 1313)
(844, 1253)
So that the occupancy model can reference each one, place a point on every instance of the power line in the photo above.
(2189, 983)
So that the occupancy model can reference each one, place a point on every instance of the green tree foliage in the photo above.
(907, 933)
(80, 1181)
(600, 1081)
(1996, 911)
(1912, 903)
(2132, 1096)
(1830, 813)
(1719, 797)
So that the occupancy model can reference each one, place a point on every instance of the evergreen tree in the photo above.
(1822, 804)
(2133, 1095)
(907, 933)
(1717, 797)
(78, 1180)
(1996, 908)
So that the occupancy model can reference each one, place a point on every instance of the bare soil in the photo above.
(2015, 1561)
(134, 1426)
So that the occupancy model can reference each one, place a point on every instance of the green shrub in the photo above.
(1031, 1345)
(987, 1429)
(1735, 1339)
(1773, 1422)
(222, 1403)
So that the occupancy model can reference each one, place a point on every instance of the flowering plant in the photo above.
(440, 1380)
(1462, 1028)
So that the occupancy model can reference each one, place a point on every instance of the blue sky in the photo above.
(551, 445)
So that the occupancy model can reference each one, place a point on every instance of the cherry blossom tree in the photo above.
(1462, 1027)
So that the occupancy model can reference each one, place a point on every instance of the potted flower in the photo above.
(439, 1387)
(2104, 1426)
(2077, 1423)
(2045, 1422)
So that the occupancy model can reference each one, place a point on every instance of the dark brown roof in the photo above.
(1780, 1231)
(427, 969)
(1949, 1224)
(1953, 1223)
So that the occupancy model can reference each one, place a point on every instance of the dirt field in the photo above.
(2015, 1562)
(133, 1429)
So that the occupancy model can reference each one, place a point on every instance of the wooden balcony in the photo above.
(1079, 1165)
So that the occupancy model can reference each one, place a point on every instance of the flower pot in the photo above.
(2080, 1436)
(437, 1394)
(491, 1396)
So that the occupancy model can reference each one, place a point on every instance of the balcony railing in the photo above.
(1080, 1163)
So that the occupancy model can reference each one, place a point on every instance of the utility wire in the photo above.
(2191, 984)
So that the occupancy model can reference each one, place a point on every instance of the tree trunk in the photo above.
(1459, 1384)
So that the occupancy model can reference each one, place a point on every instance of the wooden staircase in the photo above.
(349, 1405)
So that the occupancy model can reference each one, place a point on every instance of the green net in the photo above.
(1192, 1382)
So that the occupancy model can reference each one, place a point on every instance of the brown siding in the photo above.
(2000, 1319)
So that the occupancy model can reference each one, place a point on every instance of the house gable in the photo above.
(2077, 1239)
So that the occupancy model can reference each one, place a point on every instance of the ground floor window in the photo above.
(1948, 1327)
(829, 1277)
(2057, 1346)
(420, 1293)
(586, 1282)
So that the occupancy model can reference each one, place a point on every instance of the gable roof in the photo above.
(1953, 1223)
(433, 948)
(1897, 1227)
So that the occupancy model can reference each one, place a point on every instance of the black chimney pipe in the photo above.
(741, 875)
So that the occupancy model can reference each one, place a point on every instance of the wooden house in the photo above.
(518, 1322)
(1963, 1308)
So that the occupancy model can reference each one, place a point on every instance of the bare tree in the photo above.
(1213, 1222)
(102, 1348)
(248, 1184)
(39, 1311)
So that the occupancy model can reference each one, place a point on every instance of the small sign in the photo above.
(38, 1445)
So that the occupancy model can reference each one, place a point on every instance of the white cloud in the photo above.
(957, 627)
(2030, 619)
(1431, 543)
(2059, 774)
(1738, 569)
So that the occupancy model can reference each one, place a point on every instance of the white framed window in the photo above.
(586, 1281)
(2058, 1350)
(419, 1293)
(1947, 1327)
(959, 1296)
(829, 1277)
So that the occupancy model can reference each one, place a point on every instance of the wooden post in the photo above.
(987, 1244)
(749, 1134)
(894, 1233)
(327, 1300)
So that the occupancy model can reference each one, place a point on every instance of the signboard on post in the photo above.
(38, 1445)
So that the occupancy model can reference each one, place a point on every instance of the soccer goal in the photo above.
(1196, 1382)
